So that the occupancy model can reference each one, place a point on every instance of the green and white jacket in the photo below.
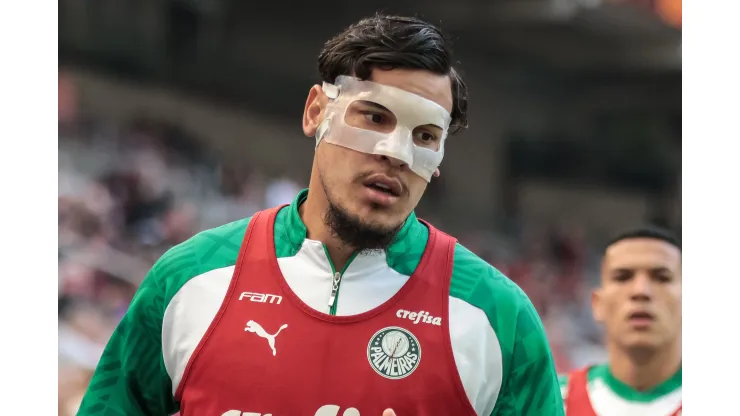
(498, 341)
(608, 396)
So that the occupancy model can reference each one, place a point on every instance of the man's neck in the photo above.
(312, 213)
(642, 370)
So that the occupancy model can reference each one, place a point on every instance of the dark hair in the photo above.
(652, 232)
(390, 42)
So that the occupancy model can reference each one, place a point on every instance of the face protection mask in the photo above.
(382, 120)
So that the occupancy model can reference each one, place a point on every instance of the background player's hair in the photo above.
(390, 42)
(653, 232)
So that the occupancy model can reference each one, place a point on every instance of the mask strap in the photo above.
(332, 92)
(323, 129)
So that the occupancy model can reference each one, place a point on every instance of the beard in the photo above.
(357, 234)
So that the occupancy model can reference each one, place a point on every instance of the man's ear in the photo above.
(596, 306)
(313, 113)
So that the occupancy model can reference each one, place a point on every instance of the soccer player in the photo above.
(639, 303)
(344, 302)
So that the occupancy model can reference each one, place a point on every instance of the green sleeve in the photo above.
(531, 386)
(131, 379)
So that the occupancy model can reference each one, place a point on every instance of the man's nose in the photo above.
(642, 287)
(396, 163)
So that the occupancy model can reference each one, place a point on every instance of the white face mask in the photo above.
(404, 130)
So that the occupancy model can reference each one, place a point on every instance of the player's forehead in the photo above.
(642, 253)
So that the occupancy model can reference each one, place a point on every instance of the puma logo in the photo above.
(257, 329)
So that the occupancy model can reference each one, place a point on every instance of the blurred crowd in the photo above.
(127, 193)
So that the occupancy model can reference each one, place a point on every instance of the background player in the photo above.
(349, 250)
(639, 304)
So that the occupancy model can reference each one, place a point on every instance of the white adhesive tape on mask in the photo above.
(411, 111)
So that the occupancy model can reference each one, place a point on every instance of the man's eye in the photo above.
(662, 277)
(374, 118)
(622, 277)
(426, 137)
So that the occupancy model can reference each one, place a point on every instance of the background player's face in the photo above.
(343, 172)
(639, 301)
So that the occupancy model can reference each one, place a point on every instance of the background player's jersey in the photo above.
(497, 339)
(610, 397)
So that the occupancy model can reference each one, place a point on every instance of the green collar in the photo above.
(628, 393)
(402, 255)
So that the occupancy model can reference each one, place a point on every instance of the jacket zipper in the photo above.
(334, 291)
(336, 281)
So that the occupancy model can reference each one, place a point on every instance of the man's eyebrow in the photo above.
(374, 105)
(657, 269)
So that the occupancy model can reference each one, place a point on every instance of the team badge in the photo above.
(394, 352)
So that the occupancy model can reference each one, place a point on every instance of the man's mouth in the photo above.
(384, 184)
(641, 315)
(641, 319)
(381, 187)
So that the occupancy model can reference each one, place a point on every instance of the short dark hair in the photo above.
(652, 232)
(391, 42)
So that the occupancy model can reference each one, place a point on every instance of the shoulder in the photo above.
(509, 311)
(208, 250)
(485, 287)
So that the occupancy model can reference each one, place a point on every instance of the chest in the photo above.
(267, 351)
(607, 403)
(291, 347)
(602, 401)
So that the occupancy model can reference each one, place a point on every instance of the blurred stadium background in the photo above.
(180, 115)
